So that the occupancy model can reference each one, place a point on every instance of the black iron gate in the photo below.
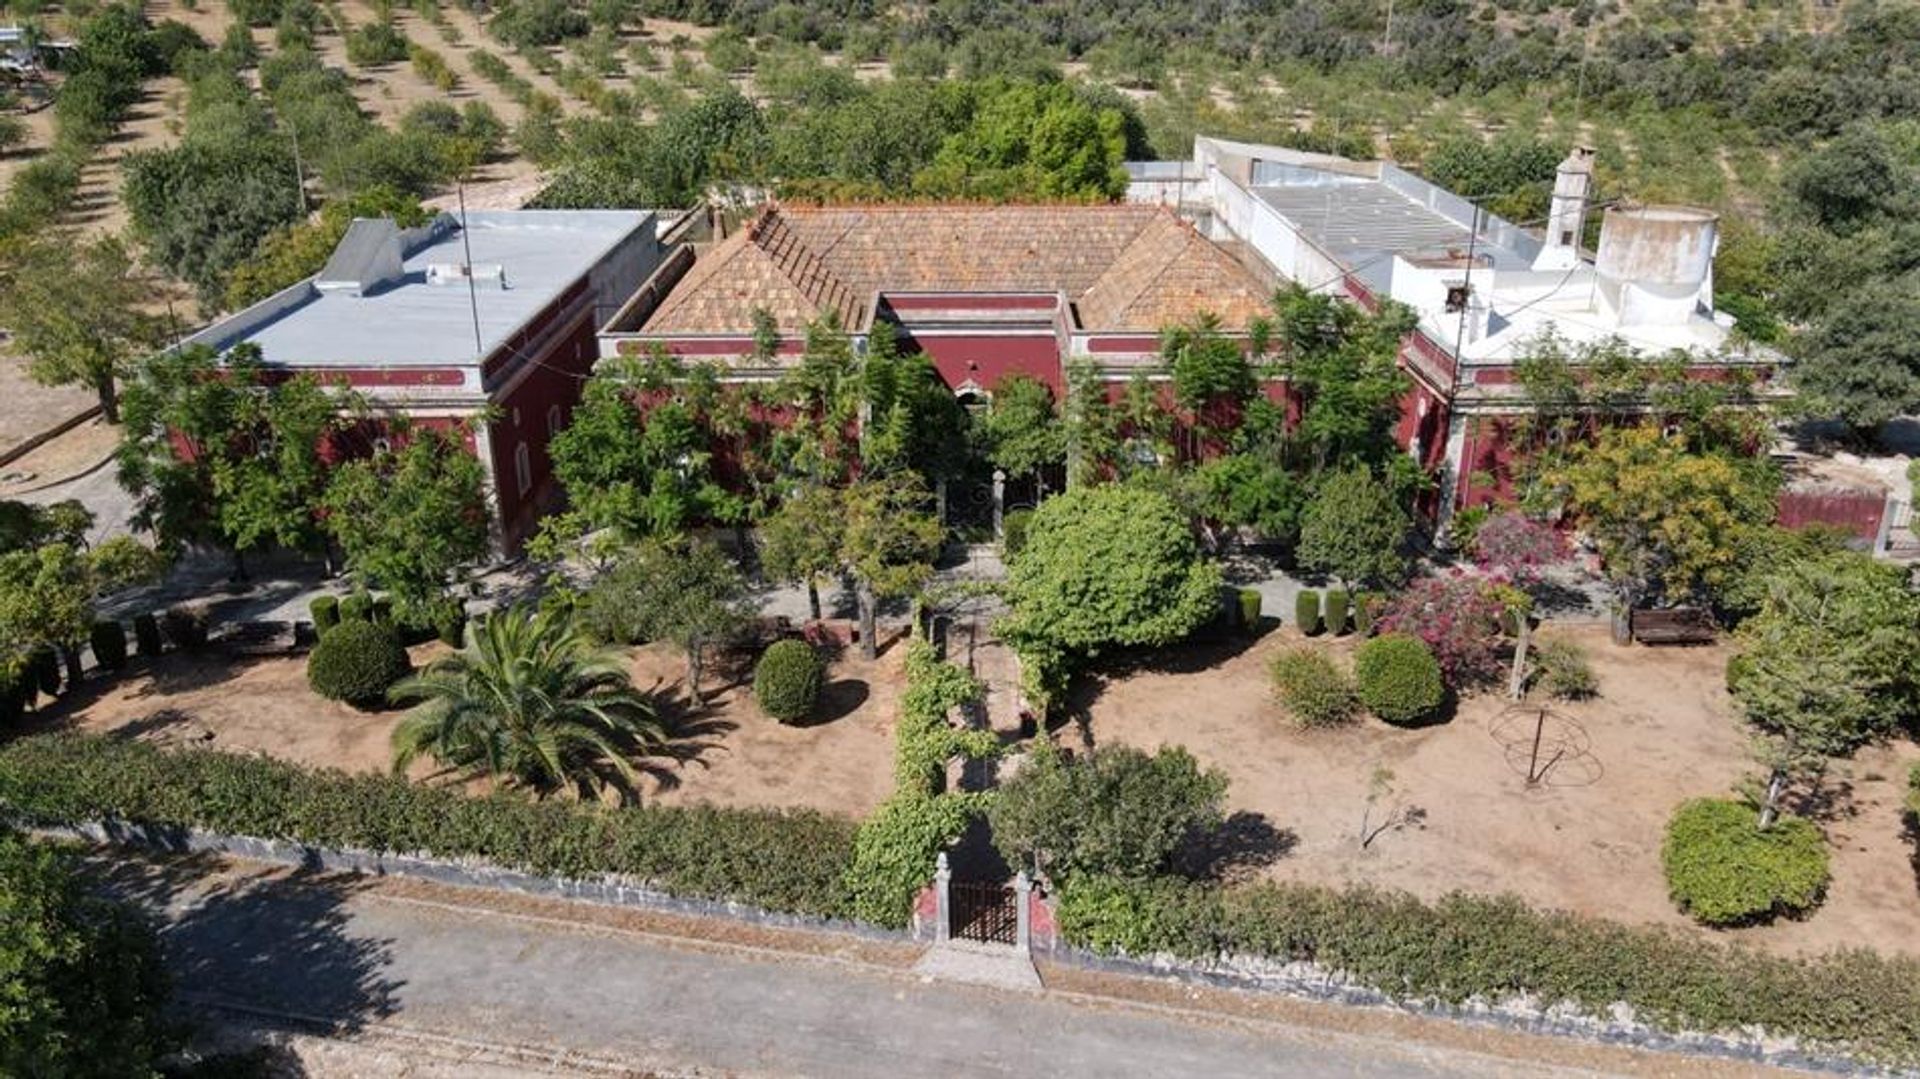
(983, 912)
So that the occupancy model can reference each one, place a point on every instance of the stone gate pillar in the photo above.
(1022, 915)
(999, 503)
(942, 900)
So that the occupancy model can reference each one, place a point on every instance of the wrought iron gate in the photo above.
(984, 912)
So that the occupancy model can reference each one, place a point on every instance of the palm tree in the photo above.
(531, 702)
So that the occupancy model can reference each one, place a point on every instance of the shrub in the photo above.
(375, 43)
(1335, 617)
(1306, 611)
(1458, 616)
(786, 681)
(382, 611)
(185, 627)
(1013, 531)
(1313, 688)
(1462, 947)
(782, 860)
(1398, 679)
(451, 628)
(43, 666)
(1724, 869)
(356, 607)
(146, 634)
(326, 613)
(1560, 668)
(357, 663)
(1119, 811)
(1367, 607)
(1250, 602)
(109, 640)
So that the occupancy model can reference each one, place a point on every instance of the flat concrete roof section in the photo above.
(1364, 223)
(414, 323)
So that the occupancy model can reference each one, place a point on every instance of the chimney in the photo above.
(367, 260)
(1572, 187)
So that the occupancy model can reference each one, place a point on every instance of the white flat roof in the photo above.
(413, 323)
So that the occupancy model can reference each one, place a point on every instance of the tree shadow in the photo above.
(838, 699)
(693, 731)
(268, 939)
(1244, 844)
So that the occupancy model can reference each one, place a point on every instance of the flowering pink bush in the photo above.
(1458, 615)
(1518, 546)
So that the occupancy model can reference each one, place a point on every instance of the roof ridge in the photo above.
(1120, 263)
(801, 265)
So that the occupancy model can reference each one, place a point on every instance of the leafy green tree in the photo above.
(1213, 377)
(410, 518)
(889, 542)
(1106, 566)
(75, 312)
(1668, 521)
(912, 419)
(1032, 140)
(530, 703)
(292, 253)
(1355, 530)
(1024, 434)
(1848, 182)
(48, 593)
(269, 484)
(1341, 363)
(81, 980)
(200, 210)
(1830, 662)
(1860, 362)
(1119, 813)
(800, 541)
(689, 593)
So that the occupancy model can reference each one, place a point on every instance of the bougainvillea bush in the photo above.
(1458, 616)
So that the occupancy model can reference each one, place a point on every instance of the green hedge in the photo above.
(357, 662)
(1250, 602)
(895, 849)
(146, 634)
(326, 613)
(109, 641)
(779, 860)
(1724, 870)
(1492, 947)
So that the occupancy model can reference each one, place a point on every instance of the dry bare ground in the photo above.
(1587, 838)
(841, 762)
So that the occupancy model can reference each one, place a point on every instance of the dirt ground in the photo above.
(732, 753)
(1587, 838)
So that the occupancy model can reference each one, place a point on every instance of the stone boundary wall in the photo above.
(1255, 974)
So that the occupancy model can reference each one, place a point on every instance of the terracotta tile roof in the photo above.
(1126, 267)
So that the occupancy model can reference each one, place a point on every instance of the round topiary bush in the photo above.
(1306, 611)
(1398, 679)
(786, 681)
(1313, 688)
(356, 607)
(1724, 869)
(357, 662)
(186, 627)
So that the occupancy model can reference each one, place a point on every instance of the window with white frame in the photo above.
(553, 420)
(523, 468)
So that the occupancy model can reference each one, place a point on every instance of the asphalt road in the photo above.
(354, 955)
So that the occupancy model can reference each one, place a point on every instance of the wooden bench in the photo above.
(1675, 625)
(263, 639)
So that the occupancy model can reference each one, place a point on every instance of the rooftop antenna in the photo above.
(1460, 334)
(473, 293)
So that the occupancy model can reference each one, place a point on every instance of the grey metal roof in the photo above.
(414, 323)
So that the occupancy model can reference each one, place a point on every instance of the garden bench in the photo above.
(263, 639)
(1676, 625)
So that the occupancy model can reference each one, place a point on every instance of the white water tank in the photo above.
(1655, 263)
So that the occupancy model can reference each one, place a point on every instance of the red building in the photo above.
(985, 291)
(446, 321)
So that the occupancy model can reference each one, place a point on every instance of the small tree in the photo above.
(888, 543)
(800, 541)
(410, 518)
(1106, 566)
(1830, 662)
(1024, 434)
(75, 312)
(1356, 531)
(1516, 549)
(1120, 812)
(689, 593)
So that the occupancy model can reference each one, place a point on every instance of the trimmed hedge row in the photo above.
(775, 859)
(1462, 947)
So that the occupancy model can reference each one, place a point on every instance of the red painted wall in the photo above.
(988, 358)
(1856, 511)
(553, 379)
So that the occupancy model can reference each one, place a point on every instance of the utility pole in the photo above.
(473, 293)
(1386, 39)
